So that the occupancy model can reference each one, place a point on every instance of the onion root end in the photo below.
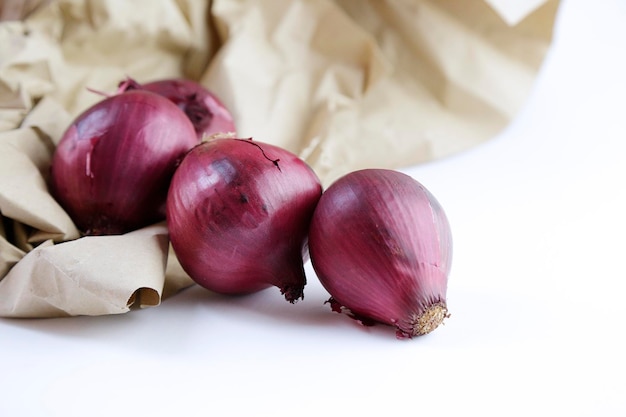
(429, 320)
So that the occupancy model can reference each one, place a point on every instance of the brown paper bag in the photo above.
(352, 84)
(345, 84)
(91, 275)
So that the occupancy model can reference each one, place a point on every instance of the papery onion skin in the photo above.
(238, 213)
(205, 110)
(381, 245)
(112, 167)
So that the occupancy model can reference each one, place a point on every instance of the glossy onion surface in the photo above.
(381, 246)
(112, 168)
(238, 212)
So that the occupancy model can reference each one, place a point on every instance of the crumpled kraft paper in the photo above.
(387, 83)
(93, 276)
(345, 84)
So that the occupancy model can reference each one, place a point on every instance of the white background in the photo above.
(537, 291)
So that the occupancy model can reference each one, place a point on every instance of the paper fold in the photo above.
(91, 275)
(350, 84)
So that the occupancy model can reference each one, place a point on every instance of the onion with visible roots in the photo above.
(381, 245)
(238, 213)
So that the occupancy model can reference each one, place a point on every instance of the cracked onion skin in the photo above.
(381, 245)
(112, 167)
(238, 213)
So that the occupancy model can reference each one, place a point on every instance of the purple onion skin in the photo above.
(238, 213)
(112, 168)
(381, 245)
(207, 113)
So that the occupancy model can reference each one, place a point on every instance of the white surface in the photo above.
(536, 293)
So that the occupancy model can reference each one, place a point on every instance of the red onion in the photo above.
(207, 113)
(112, 168)
(381, 246)
(238, 213)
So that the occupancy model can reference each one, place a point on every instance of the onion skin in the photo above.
(238, 213)
(381, 246)
(112, 167)
(205, 110)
